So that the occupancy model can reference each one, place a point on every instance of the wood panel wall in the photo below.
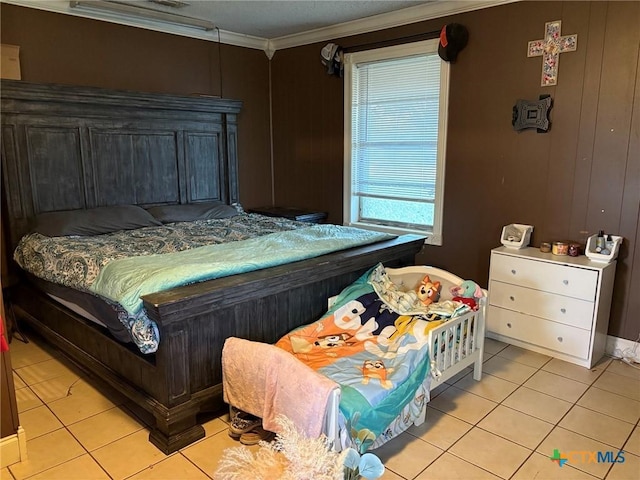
(581, 176)
(63, 49)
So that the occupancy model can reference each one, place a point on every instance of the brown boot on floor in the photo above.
(242, 422)
(254, 436)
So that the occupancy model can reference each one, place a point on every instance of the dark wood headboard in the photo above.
(69, 147)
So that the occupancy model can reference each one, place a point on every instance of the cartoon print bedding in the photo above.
(373, 342)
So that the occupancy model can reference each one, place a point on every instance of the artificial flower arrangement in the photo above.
(292, 456)
(358, 466)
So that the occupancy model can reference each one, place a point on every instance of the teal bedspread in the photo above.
(122, 266)
(125, 281)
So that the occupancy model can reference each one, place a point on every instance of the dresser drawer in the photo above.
(567, 310)
(548, 277)
(544, 333)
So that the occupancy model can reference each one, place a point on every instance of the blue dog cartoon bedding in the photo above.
(373, 342)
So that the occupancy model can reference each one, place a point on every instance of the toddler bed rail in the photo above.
(449, 357)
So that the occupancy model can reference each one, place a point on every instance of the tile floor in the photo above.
(506, 426)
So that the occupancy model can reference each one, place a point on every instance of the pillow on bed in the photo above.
(192, 212)
(93, 221)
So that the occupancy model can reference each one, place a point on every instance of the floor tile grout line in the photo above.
(66, 427)
(535, 452)
(87, 451)
(592, 385)
(556, 425)
(603, 413)
(532, 451)
(447, 450)
(526, 364)
(624, 377)
(80, 377)
(579, 381)
(559, 398)
(51, 466)
(583, 436)
(621, 449)
(476, 424)
(464, 460)
(525, 380)
(197, 466)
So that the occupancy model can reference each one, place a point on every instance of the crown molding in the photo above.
(428, 11)
(419, 13)
(226, 37)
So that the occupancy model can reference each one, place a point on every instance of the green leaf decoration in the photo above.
(364, 439)
(366, 434)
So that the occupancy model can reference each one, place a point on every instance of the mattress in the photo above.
(88, 306)
(121, 267)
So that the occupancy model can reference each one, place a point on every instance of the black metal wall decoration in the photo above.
(532, 114)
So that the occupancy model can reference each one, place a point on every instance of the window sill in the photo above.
(432, 239)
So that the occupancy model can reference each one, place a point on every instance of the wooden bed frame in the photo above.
(65, 148)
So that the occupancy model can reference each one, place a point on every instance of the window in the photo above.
(395, 137)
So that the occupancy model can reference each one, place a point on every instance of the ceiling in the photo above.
(274, 19)
(271, 25)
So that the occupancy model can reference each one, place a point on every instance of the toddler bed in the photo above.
(362, 373)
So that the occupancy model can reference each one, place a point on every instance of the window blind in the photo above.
(395, 116)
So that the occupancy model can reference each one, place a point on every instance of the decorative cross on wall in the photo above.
(550, 48)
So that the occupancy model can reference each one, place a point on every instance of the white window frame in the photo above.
(434, 236)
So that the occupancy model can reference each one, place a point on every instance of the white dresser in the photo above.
(556, 305)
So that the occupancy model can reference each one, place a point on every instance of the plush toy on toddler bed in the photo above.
(428, 291)
(468, 292)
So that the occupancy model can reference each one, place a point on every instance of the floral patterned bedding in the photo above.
(123, 266)
(76, 261)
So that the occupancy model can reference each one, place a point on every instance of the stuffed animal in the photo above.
(468, 292)
(376, 369)
(428, 291)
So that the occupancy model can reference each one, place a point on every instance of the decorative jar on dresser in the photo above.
(555, 305)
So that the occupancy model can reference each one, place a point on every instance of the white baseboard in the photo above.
(616, 345)
(13, 449)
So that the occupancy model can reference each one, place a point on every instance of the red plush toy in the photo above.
(467, 292)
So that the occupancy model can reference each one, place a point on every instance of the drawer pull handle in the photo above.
(566, 282)
(513, 271)
(512, 298)
(563, 310)
(509, 325)
(560, 339)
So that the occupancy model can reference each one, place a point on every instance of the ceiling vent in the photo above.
(170, 3)
(117, 9)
